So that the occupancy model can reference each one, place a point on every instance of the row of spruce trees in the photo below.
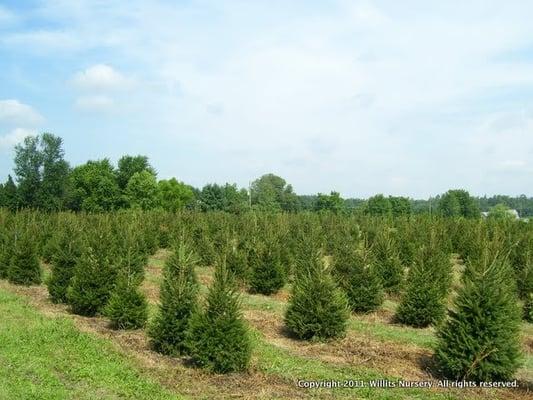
(335, 265)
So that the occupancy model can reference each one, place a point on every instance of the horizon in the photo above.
(361, 97)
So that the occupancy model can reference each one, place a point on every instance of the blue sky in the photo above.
(363, 97)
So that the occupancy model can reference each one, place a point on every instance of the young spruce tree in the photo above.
(218, 337)
(24, 267)
(317, 309)
(127, 307)
(429, 279)
(480, 340)
(65, 255)
(268, 274)
(178, 302)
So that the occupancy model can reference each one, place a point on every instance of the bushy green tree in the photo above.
(378, 205)
(458, 202)
(332, 202)
(219, 340)
(480, 340)
(128, 166)
(24, 267)
(178, 302)
(268, 274)
(127, 307)
(528, 308)
(272, 193)
(400, 205)
(317, 308)
(66, 252)
(428, 282)
(142, 191)
(6, 251)
(174, 195)
(500, 211)
(11, 196)
(91, 285)
(388, 263)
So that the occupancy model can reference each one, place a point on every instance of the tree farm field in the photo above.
(239, 283)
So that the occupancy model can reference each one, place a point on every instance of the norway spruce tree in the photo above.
(317, 308)
(127, 307)
(424, 301)
(268, 274)
(178, 302)
(388, 263)
(219, 340)
(480, 340)
(6, 251)
(65, 255)
(528, 308)
(91, 285)
(24, 267)
(363, 286)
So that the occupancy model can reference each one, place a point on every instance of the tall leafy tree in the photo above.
(28, 161)
(378, 205)
(332, 202)
(55, 172)
(400, 205)
(271, 193)
(92, 187)
(174, 195)
(142, 191)
(458, 202)
(128, 166)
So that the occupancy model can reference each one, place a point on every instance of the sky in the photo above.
(362, 97)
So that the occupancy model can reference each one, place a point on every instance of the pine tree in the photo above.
(317, 309)
(429, 279)
(480, 339)
(66, 253)
(218, 337)
(6, 252)
(178, 301)
(24, 267)
(388, 263)
(127, 307)
(363, 286)
(268, 275)
(91, 285)
(528, 308)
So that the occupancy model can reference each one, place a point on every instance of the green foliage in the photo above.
(91, 285)
(10, 195)
(378, 205)
(500, 211)
(24, 267)
(388, 263)
(317, 308)
(67, 250)
(429, 279)
(362, 283)
(127, 307)
(332, 202)
(456, 203)
(219, 340)
(142, 191)
(128, 166)
(178, 302)
(480, 340)
(271, 193)
(92, 187)
(228, 198)
(400, 206)
(174, 195)
(268, 274)
(528, 308)
(27, 171)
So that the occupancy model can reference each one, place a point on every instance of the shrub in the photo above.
(127, 307)
(178, 301)
(528, 308)
(317, 309)
(24, 267)
(218, 338)
(480, 339)
(363, 287)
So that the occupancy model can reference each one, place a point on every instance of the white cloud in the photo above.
(13, 111)
(100, 77)
(97, 103)
(14, 137)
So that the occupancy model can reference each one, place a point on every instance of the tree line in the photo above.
(44, 180)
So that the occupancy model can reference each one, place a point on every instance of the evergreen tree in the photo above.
(24, 267)
(362, 285)
(127, 307)
(11, 197)
(178, 301)
(218, 337)
(528, 308)
(67, 250)
(6, 252)
(317, 309)
(388, 263)
(91, 285)
(429, 279)
(268, 275)
(480, 341)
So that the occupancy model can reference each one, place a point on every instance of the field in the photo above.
(48, 352)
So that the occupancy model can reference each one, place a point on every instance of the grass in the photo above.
(48, 358)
